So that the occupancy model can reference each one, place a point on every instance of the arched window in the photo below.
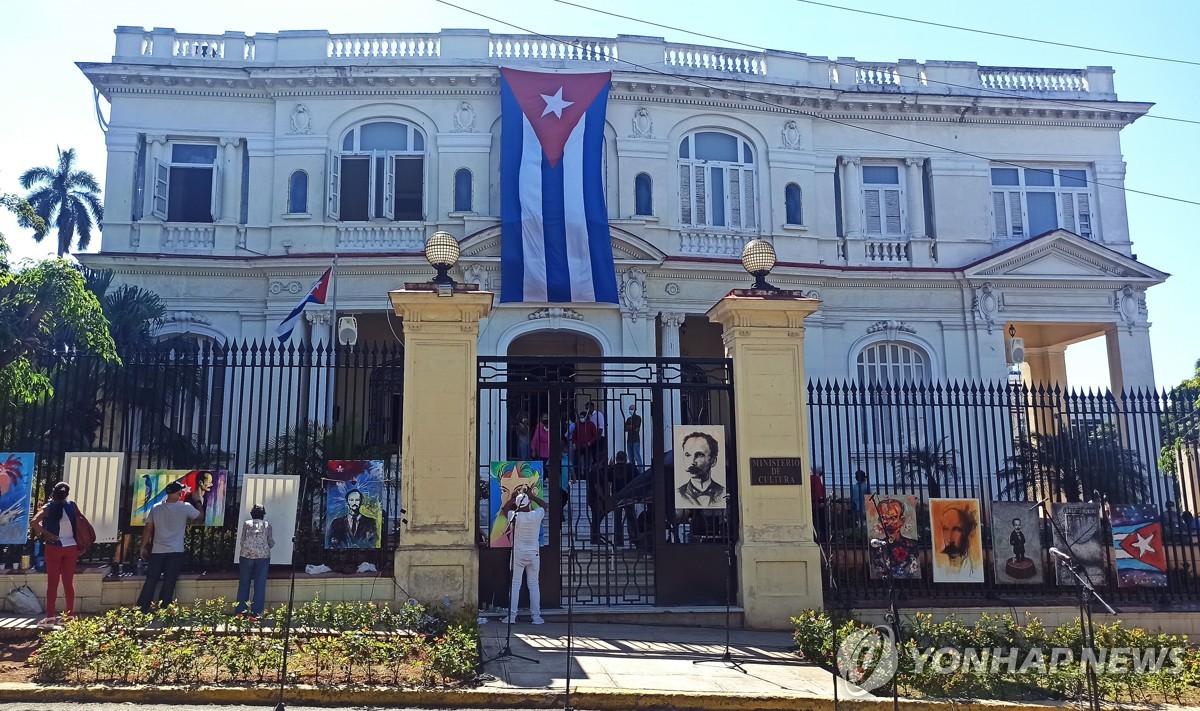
(379, 172)
(462, 190)
(894, 414)
(298, 193)
(792, 205)
(643, 200)
(717, 181)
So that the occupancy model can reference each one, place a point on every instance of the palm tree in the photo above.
(1076, 465)
(66, 198)
(931, 465)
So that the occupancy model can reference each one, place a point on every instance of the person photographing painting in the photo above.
(525, 523)
(162, 545)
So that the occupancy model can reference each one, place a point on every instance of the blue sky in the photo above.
(49, 103)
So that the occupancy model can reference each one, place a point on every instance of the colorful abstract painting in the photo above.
(507, 480)
(204, 488)
(1138, 546)
(1016, 543)
(354, 504)
(16, 485)
(894, 540)
(1081, 524)
(957, 543)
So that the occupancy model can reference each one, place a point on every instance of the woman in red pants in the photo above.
(57, 524)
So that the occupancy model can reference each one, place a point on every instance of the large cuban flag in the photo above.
(554, 242)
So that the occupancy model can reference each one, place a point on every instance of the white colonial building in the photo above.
(930, 206)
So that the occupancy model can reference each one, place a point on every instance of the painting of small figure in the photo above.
(1016, 543)
(16, 487)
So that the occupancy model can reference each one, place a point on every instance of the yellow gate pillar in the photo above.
(779, 564)
(437, 557)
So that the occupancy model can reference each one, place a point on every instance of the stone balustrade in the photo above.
(633, 53)
(716, 244)
(186, 237)
(381, 238)
(886, 252)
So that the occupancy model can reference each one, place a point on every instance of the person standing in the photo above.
(539, 446)
(254, 561)
(526, 524)
(859, 491)
(597, 418)
(522, 431)
(57, 524)
(816, 481)
(633, 436)
(165, 527)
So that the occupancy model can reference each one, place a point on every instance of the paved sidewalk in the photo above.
(645, 658)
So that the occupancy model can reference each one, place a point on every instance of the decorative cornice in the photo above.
(891, 327)
(556, 312)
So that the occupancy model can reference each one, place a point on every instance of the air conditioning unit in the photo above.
(347, 330)
(1016, 351)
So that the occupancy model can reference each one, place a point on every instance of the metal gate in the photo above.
(614, 537)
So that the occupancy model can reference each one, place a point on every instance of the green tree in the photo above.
(930, 465)
(1075, 465)
(1180, 423)
(36, 303)
(66, 198)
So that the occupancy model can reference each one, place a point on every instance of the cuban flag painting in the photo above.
(1138, 546)
(554, 239)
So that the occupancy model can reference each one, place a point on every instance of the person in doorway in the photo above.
(57, 523)
(539, 445)
(633, 436)
(254, 561)
(859, 491)
(522, 431)
(526, 523)
(583, 437)
(354, 530)
(816, 482)
(162, 545)
(597, 418)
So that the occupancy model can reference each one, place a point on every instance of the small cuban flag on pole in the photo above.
(554, 239)
(315, 295)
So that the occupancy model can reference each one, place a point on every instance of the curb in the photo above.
(591, 699)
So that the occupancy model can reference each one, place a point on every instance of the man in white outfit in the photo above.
(526, 524)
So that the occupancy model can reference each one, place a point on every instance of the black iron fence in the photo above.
(997, 443)
(241, 408)
(614, 536)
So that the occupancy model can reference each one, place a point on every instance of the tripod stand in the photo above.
(892, 616)
(828, 560)
(287, 631)
(727, 657)
(1085, 592)
(506, 650)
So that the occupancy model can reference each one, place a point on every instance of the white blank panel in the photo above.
(95, 480)
(278, 495)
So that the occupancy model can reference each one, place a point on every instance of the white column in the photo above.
(231, 183)
(913, 189)
(1129, 363)
(673, 407)
(852, 196)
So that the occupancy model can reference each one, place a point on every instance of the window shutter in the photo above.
(871, 221)
(751, 209)
(999, 215)
(1085, 215)
(701, 173)
(1067, 201)
(389, 186)
(685, 194)
(1015, 214)
(215, 204)
(334, 173)
(891, 204)
(735, 198)
(162, 188)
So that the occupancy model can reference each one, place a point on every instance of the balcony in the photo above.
(481, 48)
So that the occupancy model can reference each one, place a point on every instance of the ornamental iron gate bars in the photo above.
(1005, 443)
(614, 537)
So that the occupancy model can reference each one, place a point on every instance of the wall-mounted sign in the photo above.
(776, 471)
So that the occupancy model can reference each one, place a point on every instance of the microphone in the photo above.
(1038, 505)
(878, 543)
(1059, 554)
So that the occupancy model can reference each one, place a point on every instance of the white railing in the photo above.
(381, 238)
(1021, 79)
(886, 251)
(715, 244)
(383, 46)
(686, 56)
(877, 74)
(580, 49)
(248, 50)
(189, 238)
(199, 46)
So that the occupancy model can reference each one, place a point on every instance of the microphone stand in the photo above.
(1085, 591)
(892, 616)
(287, 630)
(727, 657)
(833, 633)
(570, 593)
(506, 651)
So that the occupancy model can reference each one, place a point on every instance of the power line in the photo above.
(1001, 34)
(1002, 92)
(811, 114)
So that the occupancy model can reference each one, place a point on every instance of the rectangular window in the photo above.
(355, 188)
(1027, 202)
(186, 190)
(377, 184)
(882, 201)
